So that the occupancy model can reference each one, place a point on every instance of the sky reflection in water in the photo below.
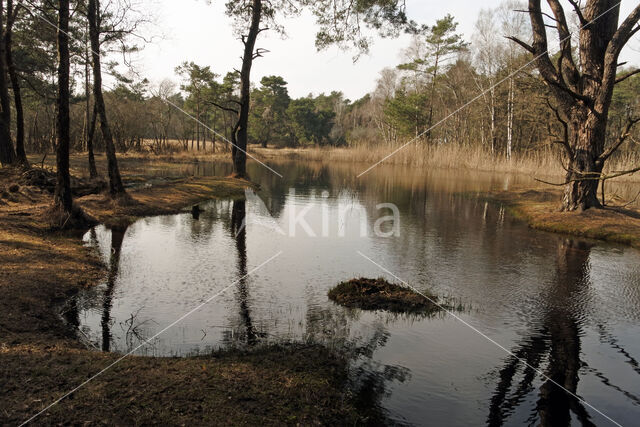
(568, 307)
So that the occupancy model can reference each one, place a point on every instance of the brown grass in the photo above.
(540, 163)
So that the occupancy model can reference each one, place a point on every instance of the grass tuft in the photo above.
(378, 294)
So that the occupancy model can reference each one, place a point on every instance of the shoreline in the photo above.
(42, 358)
(539, 210)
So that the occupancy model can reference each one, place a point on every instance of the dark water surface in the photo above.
(567, 307)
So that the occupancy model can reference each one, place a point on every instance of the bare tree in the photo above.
(486, 58)
(62, 196)
(514, 24)
(340, 22)
(583, 90)
(116, 188)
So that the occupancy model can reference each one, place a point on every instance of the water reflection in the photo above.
(556, 343)
(370, 379)
(117, 237)
(569, 308)
(239, 232)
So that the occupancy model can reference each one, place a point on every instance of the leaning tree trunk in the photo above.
(239, 153)
(62, 195)
(115, 181)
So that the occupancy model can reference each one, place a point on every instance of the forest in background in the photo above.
(481, 94)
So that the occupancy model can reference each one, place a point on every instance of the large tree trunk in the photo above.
(62, 195)
(587, 133)
(116, 187)
(239, 153)
(7, 153)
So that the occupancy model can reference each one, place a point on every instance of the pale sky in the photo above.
(196, 31)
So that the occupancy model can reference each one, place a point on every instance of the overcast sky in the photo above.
(196, 31)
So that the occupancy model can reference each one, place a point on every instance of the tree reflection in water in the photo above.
(117, 237)
(368, 379)
(554, 343)
(239, 231)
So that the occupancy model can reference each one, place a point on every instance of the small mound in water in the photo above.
(378, 294)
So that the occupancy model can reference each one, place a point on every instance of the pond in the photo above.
(259, 271)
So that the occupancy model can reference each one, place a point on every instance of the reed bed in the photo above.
(546, 162)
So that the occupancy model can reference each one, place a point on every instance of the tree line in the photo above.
(80, 32)
(504, 90)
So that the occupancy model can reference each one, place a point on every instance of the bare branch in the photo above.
(259, 53)
(626, 76)
(223, 107)
(624, 32)
(565, 126)
(555, 184)
(543, 13)
(576, 8)
(621, 173)
(566, 54)
(631, 122)
(526, 46)
(599, 177)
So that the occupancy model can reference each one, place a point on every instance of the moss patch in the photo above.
(378, 294)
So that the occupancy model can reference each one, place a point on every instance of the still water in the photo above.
(569, 308)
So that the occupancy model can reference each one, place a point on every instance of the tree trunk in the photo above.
(493, 119)
(510, 105)
(239, 153)
(7, 153)
(588, 133)
(115, 181)
(432, 93)
(90, 115)
(198, 123)
(91, 131)
(62, 196)
(15, 83)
